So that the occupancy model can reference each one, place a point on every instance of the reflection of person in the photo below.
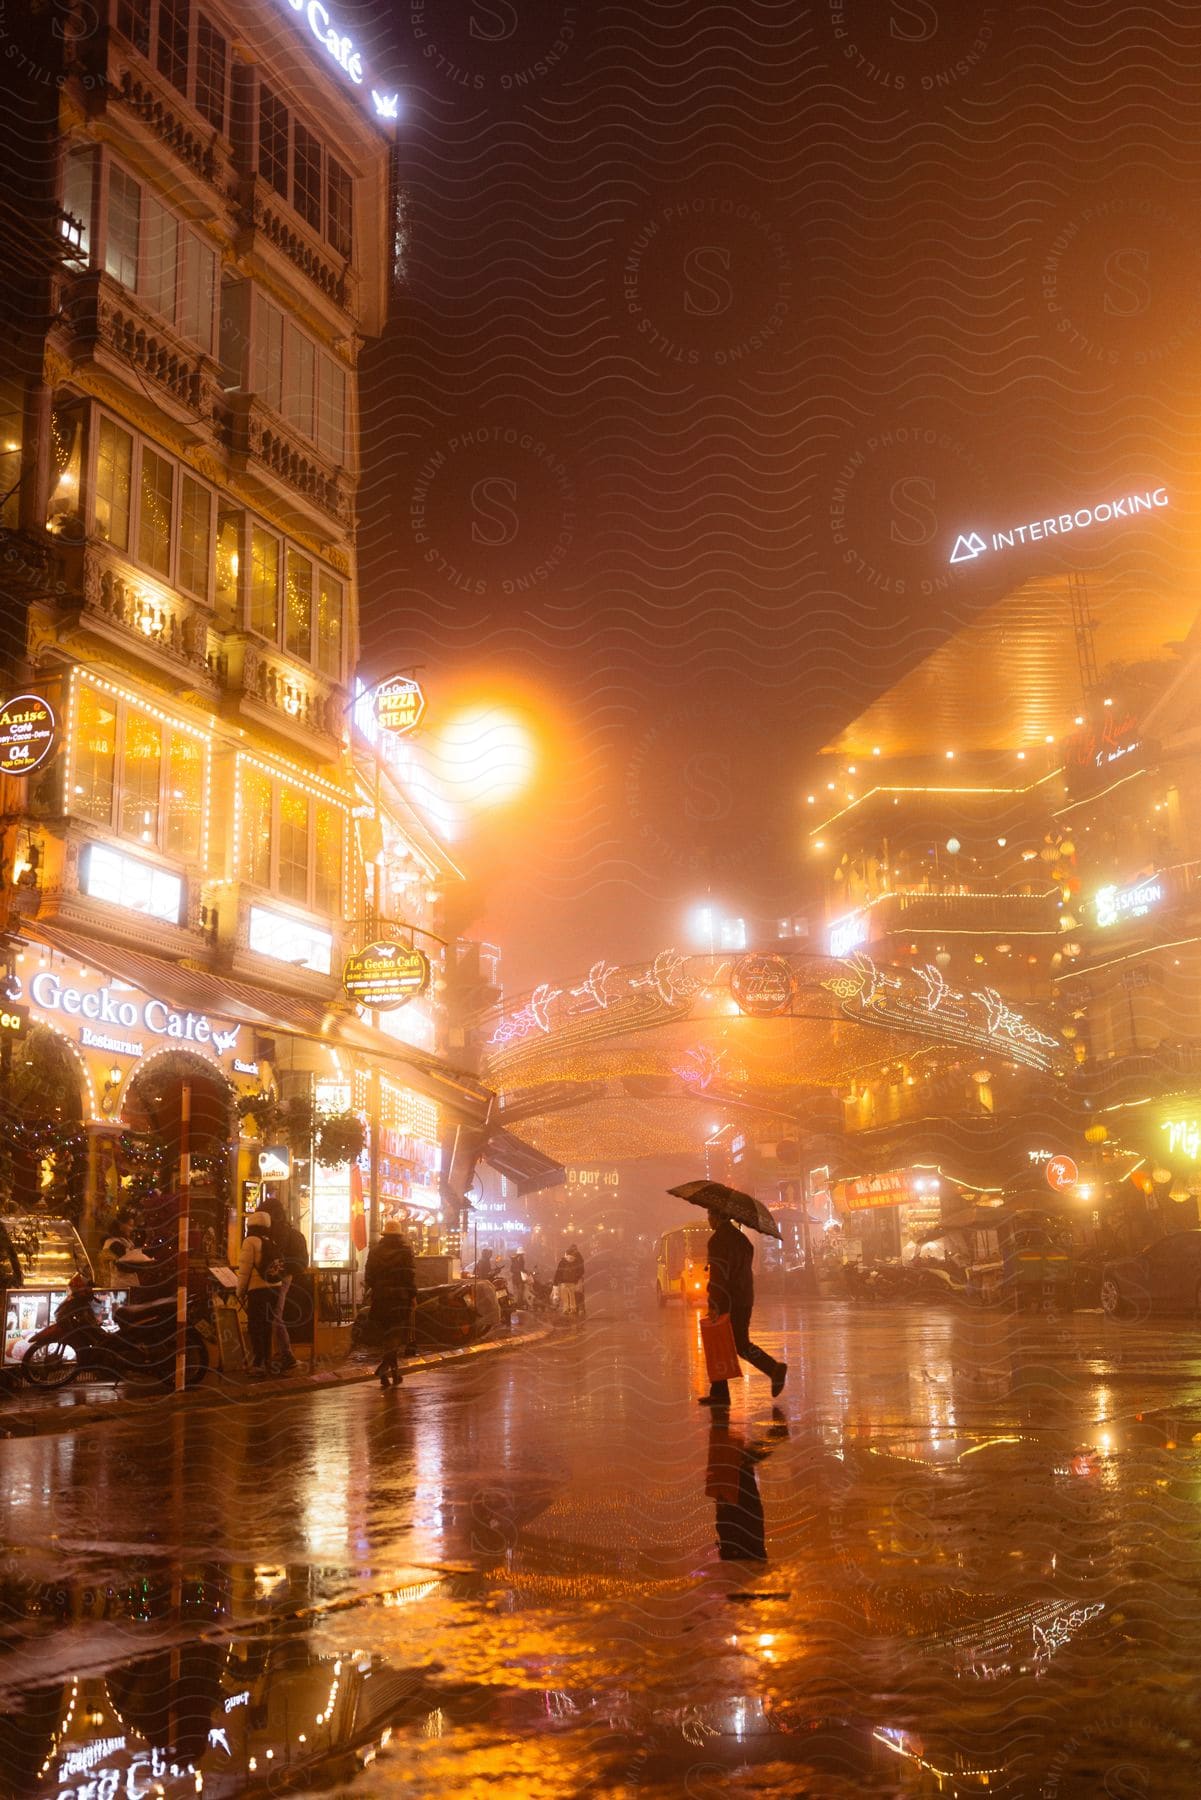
(391, 1280)
(733, 1486)
(732, 1291)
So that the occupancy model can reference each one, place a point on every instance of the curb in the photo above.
(49, 1421)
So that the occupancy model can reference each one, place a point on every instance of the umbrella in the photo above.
(715, 1196)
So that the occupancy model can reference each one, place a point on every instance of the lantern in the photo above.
(981, 1076)
(1096, 1134)
(1067, 848)
(1161, 1177)
(943, 959)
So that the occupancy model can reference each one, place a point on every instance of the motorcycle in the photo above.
(141, 1341)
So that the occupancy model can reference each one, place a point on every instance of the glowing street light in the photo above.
(484, 756)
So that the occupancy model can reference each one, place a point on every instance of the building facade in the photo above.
(205, 244)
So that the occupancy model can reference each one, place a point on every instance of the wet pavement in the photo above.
(542, 1574)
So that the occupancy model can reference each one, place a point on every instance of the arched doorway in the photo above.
(152, 1109)
(43, 1139)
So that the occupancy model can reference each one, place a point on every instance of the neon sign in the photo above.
(847, 934)
(343, 51)
(981, 1018)
(969, 545)
(154, 1016)
(1184, 1138)
(1114, 904)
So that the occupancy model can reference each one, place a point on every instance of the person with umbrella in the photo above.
(731, 1277)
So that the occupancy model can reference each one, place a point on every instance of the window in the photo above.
(172, 58)
(303, 384)
(294, 161)
(77, 204)
(137, 776)
(127, 882)
(290, 940)
(293, 874)
(273, 141)
(114, 468)
(149, 252)
(290, 842)
(154, 512)
(231, 523)
(264, 583)
(306, 175)
(142, 774)
(212, 60)
(298, 616)
(195, 518)
(329, 625)
(121, 244)
(133, 22)
(93, 757)
(339, 205)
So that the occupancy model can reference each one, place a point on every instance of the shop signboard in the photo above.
(26, 734)
(1062, 1173)
(275, 1162)
(762, 985)
(399, 705)
(895, 1187)
(1182, 1138)
(332, 1190)
(1114, 905)
(846, 934)
(14, 1021)
(385, 975)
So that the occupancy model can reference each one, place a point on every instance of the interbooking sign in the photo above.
(969, 545)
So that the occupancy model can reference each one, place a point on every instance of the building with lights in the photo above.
(205, 241)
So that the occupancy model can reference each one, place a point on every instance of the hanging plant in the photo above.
(341, 1138)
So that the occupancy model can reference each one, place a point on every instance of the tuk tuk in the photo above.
(1037, 1260)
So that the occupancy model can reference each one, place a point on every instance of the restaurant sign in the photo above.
(894, 1188)
(384, 975)
(399, 705)
(26, 734)
(125, 1010)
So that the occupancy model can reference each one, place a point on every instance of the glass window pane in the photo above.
(298, 614)
(133, 22)
(230, 523)
(185, 796)
(327, 875)
(264, 583)
(77, 201)
(93, 751)
(154, 516)
(210, 73)
(306, 172)
(329, 626)
(294, 845)
(195, 514)
(273, 141)
(159, 259)
(173, 42)
(331, 417)
(114, 469)
(267, 360)
(121, 240)
(254, 851)
(300, 376)
(198, 280)
(141, 776)
(339, 211)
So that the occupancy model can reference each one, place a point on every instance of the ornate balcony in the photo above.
(106, 324)
(258, 438)
(266, 217)
(138, 617)
(292, 701)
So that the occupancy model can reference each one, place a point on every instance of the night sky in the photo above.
(720, 323)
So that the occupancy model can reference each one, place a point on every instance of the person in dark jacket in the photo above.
(293, 1252)
(391, 1281)
(732, 1290)
(569, 1278)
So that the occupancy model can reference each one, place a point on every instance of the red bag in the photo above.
(717, 1341)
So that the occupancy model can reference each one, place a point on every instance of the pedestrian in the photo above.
(517, 1277)
(569, 1279)
(732, 1291)
(260, 1270)
(290, 1246)
(391, 1281)
(483, 1267)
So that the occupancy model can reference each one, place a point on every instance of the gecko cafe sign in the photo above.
(103, 1011)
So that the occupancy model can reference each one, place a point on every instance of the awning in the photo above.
(190, 988)
(528, 1169)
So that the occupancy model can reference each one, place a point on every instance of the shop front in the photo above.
(885, 1217)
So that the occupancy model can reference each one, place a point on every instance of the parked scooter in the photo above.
(142, 1342)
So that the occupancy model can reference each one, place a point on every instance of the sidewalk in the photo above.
(27, 1413)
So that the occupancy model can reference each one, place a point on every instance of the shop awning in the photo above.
(528, 1169)
(191, 988)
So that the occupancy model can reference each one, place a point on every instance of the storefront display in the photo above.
(30, 1310)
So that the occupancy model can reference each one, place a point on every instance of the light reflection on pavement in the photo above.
(542, 1574)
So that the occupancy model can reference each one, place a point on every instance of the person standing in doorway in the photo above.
(290, 1247)
(260, 1270)
(732, 1291)
(569, 1278)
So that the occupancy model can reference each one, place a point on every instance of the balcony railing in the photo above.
(103, 316)
(256, 436)
(263, 212)
(298, 702)
(135, 613)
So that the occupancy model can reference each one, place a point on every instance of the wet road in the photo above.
(507, 1578)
